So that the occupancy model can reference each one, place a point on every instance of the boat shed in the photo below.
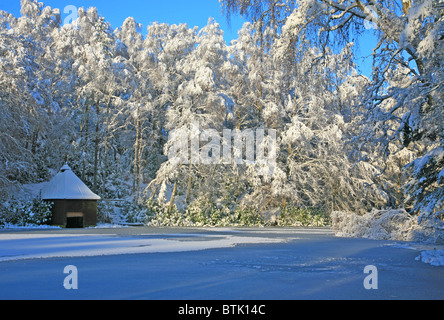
(74, 204)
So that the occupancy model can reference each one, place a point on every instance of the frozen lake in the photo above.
(209, 264)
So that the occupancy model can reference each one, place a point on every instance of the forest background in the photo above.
(106, 101)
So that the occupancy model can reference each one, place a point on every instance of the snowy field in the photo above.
(14, 246)
(212, 263)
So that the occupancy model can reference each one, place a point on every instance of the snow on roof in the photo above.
(66, 185)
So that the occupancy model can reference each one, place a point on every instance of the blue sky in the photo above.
(192, 12)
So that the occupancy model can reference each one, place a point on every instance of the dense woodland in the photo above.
(106, 100)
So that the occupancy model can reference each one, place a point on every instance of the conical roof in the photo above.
(67, 186)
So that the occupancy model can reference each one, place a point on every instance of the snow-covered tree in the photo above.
(198, 102)
(169, 47)
(404, 97)
(29, 91)
(107, 101)
(137, 100)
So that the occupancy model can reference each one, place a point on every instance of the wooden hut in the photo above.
(74, 204)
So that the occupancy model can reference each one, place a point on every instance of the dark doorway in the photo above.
(74, 220)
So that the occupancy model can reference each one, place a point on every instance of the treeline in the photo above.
(107, 100)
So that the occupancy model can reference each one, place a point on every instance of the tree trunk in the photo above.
(189, 185)
(136, 162)
(105, 155)
(96, 149)
(173, 194)
(85, 132)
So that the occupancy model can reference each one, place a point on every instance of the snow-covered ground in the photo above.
(213, 263)
(15, 246)
(395, 225)
(77, 245)
(28, 246)
(434, 257)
